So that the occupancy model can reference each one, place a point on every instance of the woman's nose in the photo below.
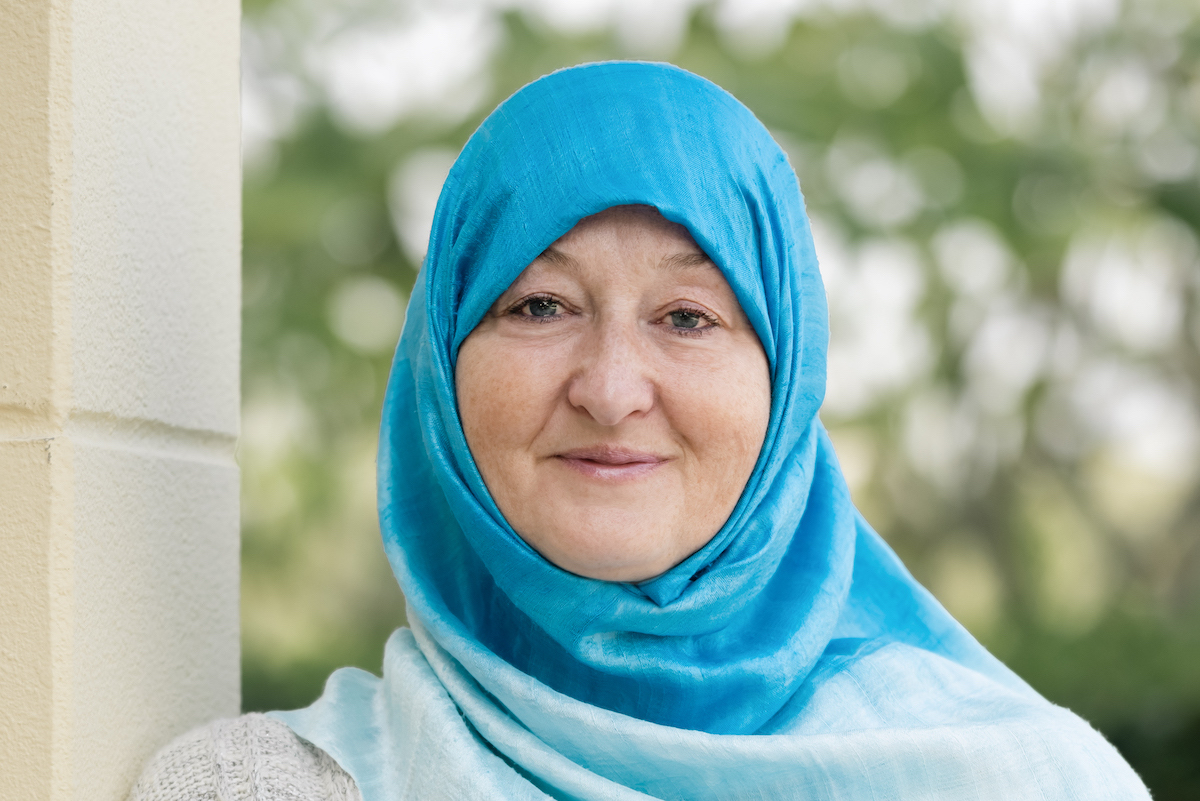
(613, 379)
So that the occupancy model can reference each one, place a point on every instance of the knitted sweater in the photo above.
(251, 758)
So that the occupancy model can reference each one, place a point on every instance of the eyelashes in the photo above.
(527, 308)
(684, 320)
(691, 321)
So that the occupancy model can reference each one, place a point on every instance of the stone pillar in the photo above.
(119, 344)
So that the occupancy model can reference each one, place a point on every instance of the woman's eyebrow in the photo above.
(557, 257)
(678, 261)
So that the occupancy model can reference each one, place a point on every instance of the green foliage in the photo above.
(993, 459)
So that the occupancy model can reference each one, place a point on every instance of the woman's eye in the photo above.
(690, 320)
(541, 307)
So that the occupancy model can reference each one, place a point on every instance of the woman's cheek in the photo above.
(519, 389)
(733, 411)
(729, 390)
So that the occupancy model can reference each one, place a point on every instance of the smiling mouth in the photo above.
(608, 464)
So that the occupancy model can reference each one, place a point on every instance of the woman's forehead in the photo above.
(627, 234)
(632, 218)
(625, 228)
(629, 223)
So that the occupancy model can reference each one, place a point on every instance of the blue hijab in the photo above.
(793, 656)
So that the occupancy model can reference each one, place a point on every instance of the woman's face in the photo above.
(615, 397)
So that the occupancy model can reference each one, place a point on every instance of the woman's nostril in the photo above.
(609, 396)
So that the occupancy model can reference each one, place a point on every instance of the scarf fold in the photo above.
(791, 657)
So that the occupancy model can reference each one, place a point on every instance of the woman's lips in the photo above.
(611, 464)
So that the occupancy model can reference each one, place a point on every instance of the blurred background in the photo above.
(1006, 201)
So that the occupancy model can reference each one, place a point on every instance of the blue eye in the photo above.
(685, 319)
(690, 322)
(542, 307)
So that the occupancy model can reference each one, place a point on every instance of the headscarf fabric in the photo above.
(792, 656)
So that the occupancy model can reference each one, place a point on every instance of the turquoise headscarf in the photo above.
(791, 657)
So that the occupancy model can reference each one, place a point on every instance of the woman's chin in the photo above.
(616, 546)
(620, 571)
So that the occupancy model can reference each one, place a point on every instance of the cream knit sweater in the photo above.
(251, 758)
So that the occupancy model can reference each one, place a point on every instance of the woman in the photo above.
(631, 563)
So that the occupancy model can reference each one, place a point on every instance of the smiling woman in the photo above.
(615, 397)
(630, 558)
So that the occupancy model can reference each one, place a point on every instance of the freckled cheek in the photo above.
(723, 412)
(504, 397)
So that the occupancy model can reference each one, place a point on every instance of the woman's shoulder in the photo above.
(252, 757)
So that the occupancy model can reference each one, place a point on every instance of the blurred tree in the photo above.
(1006, 212)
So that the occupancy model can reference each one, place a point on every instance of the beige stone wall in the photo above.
(119, 336)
